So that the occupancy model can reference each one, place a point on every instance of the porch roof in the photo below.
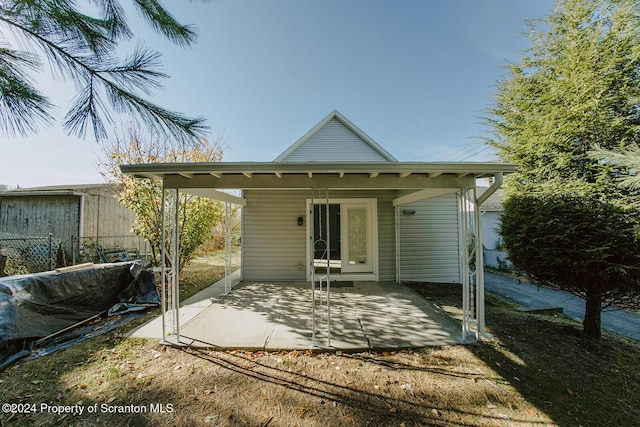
(377, 175)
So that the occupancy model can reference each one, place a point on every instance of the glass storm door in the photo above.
(357, 238)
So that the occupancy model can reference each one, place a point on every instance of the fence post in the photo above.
(51, 265)
(73, 250)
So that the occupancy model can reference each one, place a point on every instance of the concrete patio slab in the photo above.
(278, 316)
(189, 308)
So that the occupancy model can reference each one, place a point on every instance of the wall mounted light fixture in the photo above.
(300, 221)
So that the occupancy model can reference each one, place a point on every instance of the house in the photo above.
(337, 204)
(490, 212)
(87, 211)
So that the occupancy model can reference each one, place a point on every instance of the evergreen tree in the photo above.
(627, 161)
(82, 48)
(574, 90)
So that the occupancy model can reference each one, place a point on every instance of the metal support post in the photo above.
(170, 259)
(227, 247)
(462, 222)
(468, 257)
(312, 247)
(163, 267)
(479, 267)
(397, 223)
(320, 242)
(176, 262)
(328, 272)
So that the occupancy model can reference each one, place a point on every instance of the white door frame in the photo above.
(372, 236)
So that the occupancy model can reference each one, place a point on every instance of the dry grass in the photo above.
(204, 270)
(440, 386)
(536, 371)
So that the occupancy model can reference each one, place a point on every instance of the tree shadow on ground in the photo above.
(364, 406)
(279, 316)
(574, 379)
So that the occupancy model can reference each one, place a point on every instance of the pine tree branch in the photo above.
(160, 19)
(80, 48)
(137, 72)
(167, 122)
(22, 106)
(115, 16)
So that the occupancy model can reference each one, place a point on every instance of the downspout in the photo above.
(497, 183)
(480, 309)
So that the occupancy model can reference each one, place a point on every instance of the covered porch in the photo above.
(335, 316)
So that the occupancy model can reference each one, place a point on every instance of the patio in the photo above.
(278, 316)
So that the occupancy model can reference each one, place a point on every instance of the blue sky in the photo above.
(415, 75)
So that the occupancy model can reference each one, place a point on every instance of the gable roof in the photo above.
(335, 138)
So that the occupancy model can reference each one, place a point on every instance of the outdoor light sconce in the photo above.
(409, 211)
(300, 221)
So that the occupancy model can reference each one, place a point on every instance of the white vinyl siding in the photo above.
(274, 246)
(386, 236)
(490, 223)
(334, 142)
(429, 241)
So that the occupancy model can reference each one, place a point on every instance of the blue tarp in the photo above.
(34, 306)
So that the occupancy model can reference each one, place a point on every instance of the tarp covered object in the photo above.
(36, 305)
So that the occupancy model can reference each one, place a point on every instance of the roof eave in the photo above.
(158, 170)
(41, 193)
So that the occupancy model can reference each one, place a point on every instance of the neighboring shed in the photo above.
(78, 211)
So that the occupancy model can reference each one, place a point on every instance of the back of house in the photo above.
(358, 229)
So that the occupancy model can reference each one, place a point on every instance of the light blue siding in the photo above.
(429, 241)
(274, 246)
(334, 142)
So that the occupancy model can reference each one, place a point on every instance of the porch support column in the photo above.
(397, 230)
(480, 309)
(479, 267)
(324, 304)
(169, 268)
(464, 263)
(227, 245)
(468, 252)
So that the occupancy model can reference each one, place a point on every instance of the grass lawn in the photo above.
(537, 370)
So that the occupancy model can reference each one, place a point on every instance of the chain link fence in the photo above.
(28, 254)
(25, 254)
(98, 249)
